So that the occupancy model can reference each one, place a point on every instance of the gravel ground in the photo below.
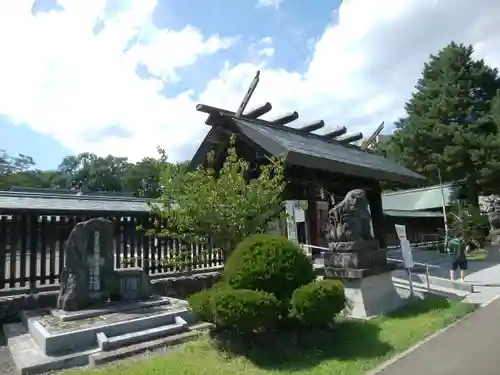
(6, 364)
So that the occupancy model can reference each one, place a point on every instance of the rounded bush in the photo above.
(269, 263)
(200, 304)
(244, 310)
(317, 303)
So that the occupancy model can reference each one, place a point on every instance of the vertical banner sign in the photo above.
(405, 246)
(291, 225)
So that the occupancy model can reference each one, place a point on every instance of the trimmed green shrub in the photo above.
(316, 304)
(200, 304)
(244, 310)
(269, 263)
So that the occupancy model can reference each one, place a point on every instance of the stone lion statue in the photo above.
(349, 220)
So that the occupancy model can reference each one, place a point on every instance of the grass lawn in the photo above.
(351, 348)
(477, 255)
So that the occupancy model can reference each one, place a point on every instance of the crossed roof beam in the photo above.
(338, 134)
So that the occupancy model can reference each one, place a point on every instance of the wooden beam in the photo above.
(259, 111)
(351, 138)
(372, 137)
(312, 216)
(214, 111)
(335, 133)
(248, 95)
(308, 128)
(377, 214)
(285, 119)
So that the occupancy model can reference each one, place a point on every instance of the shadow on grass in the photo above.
(294, 350)
(419, 307)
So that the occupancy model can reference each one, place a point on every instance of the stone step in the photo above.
(109, 343)
(161, 345)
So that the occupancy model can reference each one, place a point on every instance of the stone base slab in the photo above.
(371, 296)
(113, 307)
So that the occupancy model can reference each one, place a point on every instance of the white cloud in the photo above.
(63, 80)
(262, 50)
(363, 69)
(270, 3)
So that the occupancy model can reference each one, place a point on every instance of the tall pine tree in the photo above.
(450, 123)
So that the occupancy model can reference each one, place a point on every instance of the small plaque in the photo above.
(134, 284)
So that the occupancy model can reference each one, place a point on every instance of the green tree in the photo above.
(90, 172)
(16, 170)
(470, 222)
(221, 207)
(450, 123)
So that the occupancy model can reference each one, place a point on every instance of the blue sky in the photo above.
(292, 26)
(122, 77)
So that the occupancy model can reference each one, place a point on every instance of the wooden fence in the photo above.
(32, 249)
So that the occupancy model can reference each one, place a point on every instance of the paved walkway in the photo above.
(486, 283)
(484, 275)
(470, 347)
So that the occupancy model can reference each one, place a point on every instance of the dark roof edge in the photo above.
(80, 197)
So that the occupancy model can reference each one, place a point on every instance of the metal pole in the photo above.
(411, 282)
(427, 277)
(443, 203)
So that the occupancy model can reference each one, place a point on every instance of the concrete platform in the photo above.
(54, 336)
(29, 358)
(46, 342)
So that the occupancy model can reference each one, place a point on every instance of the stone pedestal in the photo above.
(355, 260)
(371, 296)
(362, 267)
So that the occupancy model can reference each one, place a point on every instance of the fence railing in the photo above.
(32, 249)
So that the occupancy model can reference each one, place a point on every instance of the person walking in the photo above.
(457, 248)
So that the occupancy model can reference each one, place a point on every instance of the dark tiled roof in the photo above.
(311, 151)
(28, 201)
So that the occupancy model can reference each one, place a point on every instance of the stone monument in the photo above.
(88, 276)
(355, 258)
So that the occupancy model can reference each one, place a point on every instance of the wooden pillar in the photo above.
(377, 213)
(312, 215)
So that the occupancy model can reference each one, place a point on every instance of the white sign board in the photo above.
(405, 246)
(400, 231)
(300, 216)
(291, 226)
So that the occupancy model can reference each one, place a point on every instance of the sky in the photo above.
(122, 77)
